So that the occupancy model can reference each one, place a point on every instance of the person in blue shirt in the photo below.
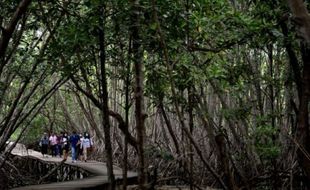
(74, 140)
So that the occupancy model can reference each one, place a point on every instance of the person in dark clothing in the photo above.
(79, 148)
(74, 140)
(59, 145)
(44, 144)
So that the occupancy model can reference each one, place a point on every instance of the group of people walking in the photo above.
(60, 145)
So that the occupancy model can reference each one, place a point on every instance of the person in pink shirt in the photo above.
(53, 143)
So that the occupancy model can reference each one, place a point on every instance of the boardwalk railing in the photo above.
(51, 171)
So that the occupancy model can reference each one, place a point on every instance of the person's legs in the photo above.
(60, 150)
(73, 151)
(85, 153)
(56, 150)
(77, 153)
(65, 153)
(81, 154)
(51, 149)
(43, 149)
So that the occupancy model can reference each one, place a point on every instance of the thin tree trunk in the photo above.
(224, 159)
(88, 114)
(138, 90)
(66, 113)
(191, 128)
(127, 108)
(271, 103)
(169, 127)
(104, 100)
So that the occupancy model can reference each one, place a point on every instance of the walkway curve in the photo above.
(99, 180)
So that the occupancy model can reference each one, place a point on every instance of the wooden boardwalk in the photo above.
(99, 180)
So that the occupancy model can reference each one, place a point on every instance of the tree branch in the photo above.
(8, 32)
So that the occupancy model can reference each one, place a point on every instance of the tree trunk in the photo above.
(224, 159)
(191, 128)
(127, 108)
(302, 134)
(138, 91)
(169, 127)
(66, 113)
(104, 100)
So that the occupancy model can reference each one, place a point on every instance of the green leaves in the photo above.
(159, 88)
(265, 144)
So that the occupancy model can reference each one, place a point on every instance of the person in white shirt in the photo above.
(65, 145)
(86, 145)
(53, 143)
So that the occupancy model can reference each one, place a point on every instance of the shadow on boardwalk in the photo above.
(99, 178)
